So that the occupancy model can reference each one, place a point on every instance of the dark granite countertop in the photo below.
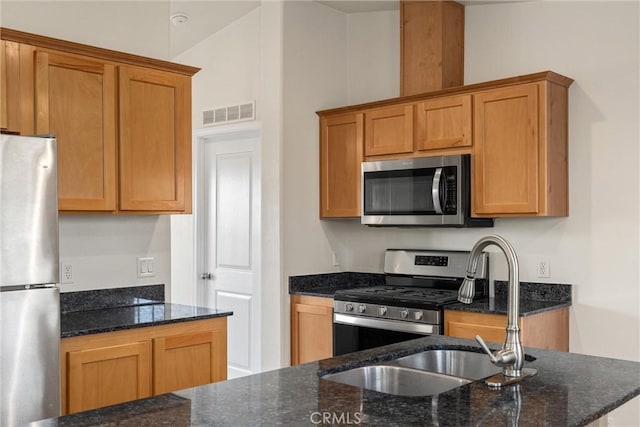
(534, 297)
(569, 390)
(499, 306)
(113, 319)
(326, 285)
(114, 309)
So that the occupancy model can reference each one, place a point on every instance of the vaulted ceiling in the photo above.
(142, 26)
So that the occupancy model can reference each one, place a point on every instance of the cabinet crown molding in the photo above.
(549, 76)
(96, 52)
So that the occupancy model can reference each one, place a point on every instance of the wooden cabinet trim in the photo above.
(95, 52)
(549, 76)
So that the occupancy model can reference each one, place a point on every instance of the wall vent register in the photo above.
(229, 114)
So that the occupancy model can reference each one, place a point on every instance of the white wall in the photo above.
(315, 73)
(373, 58)
(103, 250)
(230, 74)
(230, 66)
(240, 63)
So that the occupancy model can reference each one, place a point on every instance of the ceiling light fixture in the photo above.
(179, 19)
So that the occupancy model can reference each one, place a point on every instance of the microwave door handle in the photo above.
(435, 191)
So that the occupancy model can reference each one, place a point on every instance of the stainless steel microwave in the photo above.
(424, 191)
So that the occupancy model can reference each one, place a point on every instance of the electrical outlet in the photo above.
(543, 267)
(336, 261)
(66, 274)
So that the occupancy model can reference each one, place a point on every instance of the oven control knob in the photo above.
(382, 311)
(417, 315)
(362, 308)
(349, 307)
(404, 313)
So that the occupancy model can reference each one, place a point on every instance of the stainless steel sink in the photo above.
(457, 363)
(398, 380)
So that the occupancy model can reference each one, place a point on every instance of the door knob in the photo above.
(206, 276)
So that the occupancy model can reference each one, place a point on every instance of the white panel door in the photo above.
(232, 232)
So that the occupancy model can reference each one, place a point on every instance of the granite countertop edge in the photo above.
(118, 318)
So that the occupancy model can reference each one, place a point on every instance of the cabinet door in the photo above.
(108, 375)
(340, 163)
(75, 101)
(443, 123)
(189, 360)
(506, 154)
(491, 327)
(155, 140)
(311, 329)
(388, 131)
(10, 88)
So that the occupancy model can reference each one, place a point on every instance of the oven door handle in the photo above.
(435, 191)
(392, 325)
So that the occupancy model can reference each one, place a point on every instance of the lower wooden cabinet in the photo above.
(115, 367)
(311, 328)
(548, 330)
(108, 375)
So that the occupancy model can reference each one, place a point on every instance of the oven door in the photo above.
(355, 333)
(412, 191)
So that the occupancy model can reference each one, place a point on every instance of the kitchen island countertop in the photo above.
(569, 390)
(77, 323)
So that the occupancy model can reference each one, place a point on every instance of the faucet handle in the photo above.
(492, 357)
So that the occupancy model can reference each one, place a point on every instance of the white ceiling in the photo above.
(143, 26)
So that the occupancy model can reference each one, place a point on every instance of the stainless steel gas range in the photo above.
(419, 284)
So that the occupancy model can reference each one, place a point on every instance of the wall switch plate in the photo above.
(66, 273)
(146, 267)
(543, 267)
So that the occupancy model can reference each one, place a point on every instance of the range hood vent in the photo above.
(229, 114)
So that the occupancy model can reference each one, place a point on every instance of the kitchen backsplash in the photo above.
(108, 298)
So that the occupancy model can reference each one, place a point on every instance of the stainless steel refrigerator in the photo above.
(29, 277)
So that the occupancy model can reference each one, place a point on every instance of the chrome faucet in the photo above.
(511, 356)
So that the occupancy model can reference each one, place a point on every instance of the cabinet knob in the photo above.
(206, 276)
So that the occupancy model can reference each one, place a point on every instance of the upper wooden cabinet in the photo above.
(123, 122)
(340, 159)
(388, 130)
(515, 130)
(520, 151)
(155, 140)
(75, 100)
(443, 123)
(11, 84)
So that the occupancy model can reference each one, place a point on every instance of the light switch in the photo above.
(146, 267)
